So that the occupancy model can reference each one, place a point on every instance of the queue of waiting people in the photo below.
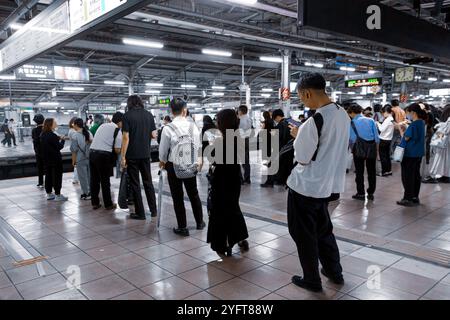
(312, 175)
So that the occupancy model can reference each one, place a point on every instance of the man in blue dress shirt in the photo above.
(366, 129)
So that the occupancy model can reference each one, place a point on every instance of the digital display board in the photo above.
(358, 83)
(71, 73)
(35, 71)
(164, 101)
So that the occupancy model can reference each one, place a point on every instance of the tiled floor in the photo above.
(120, 258)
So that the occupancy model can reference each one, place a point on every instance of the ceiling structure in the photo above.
(185, 27)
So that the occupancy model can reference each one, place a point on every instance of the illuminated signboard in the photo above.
(71, 73)
(84, 11)
(363, 82)
(164, 101)
(35, 71)
(101, 108)
(440, 92)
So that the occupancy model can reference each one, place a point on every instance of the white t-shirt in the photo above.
(104, 138)
(325, 175)
(386, 128)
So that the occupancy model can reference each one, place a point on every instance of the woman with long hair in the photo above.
(51, 146)
(227, 225)
(70, 137)
(268, 125)
(440, 166)
(80, 145)
(414, 143)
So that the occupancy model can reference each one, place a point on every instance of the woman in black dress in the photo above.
(227, 225)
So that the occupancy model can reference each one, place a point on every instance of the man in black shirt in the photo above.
(138, 130)
(36, 135)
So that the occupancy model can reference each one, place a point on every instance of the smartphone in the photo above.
(294, 123)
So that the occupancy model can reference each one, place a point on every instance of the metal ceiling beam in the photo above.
(22, 9)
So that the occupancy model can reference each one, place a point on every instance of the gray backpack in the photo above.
(183, 154)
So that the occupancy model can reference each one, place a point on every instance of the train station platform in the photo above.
(388, 252)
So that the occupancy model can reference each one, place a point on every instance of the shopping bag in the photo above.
(160, 192)
(123, 191)
(398, 154)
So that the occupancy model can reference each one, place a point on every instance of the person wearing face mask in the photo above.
(414, 144)
(386, 134)
(320, 145)
(51, 146)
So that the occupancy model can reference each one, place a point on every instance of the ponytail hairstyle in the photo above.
(79, 123)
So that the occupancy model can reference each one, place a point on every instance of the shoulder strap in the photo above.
(318, 120)
(354, 128)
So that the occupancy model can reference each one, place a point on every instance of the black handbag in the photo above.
(362, 148)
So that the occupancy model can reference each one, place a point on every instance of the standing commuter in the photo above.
(12, 129)
(245, 129)
(182, 137)
(364, 140)
(70, 135)
(7, 137)
(386, 134)
(36, 136)
(399, 117)
(320, 149)
(166, 121)
(138, 130)
(268, 124)
(106, 143)
(99, 119)
(227, 225)
(51, 146)
(414, 144)
(80, 145)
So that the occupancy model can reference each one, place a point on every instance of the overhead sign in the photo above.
(101, 108)
(357, 83)
(84, 11)
(440, 92)
(372, 21)
(71, 73)
(405, 74)
(164, 101)
(35, 71)
(36, 36)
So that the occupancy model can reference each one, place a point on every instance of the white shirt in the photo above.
(245, 126)
(325, 175)
(185, 126)
(386, 128)
(104, 138)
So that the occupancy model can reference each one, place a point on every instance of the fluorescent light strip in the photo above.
(215, 52)
(188, 86)
(73, 89)
(446, 80)
(265, 95)
(143, 43)
(218, 88)
(350, 69)
(114, 83)
(153, 91)
(7, 77)
(50, 104)
(271, 59)
(218, 94)
(267, 90)
(244, 2)
(432, 79)
(372, 72)
(154, 84)
(315, 65)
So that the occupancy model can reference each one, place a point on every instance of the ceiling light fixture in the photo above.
(349, 69)
(155, 84)
(215, 52)
(143, 43)
(114, 83)
(188, 86)
(267, 90)
(271, 59)
(73, 88)
(218, 88)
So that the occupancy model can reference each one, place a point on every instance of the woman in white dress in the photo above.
(441, 164)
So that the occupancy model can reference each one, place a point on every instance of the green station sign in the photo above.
(357, 83)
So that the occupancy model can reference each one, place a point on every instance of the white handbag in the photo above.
(398, 154)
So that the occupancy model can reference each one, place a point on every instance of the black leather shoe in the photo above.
(96, 207)
(361, 197)
(243, 245)
(406, 203)
(339, 280)
(181, 232)
(113, 207)
(415, 200)
(154, 214)
(201, 226)
(300, 282)
(371, 197)
(135, 216)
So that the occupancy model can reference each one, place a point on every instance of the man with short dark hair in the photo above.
(245, 129)
(320, 149)
(399, 118)
(138, 130)
(182, 128)
(107, 141)
(364, 131)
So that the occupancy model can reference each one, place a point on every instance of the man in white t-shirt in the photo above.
(320, 146)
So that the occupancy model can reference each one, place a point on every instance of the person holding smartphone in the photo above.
(386, 134)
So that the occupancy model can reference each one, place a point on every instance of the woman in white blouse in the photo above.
(386, 133)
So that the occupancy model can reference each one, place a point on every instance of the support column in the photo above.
(404, 96)
(285, 91)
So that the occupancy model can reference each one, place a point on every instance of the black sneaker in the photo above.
(181, 232)
(371, 197)
(154, 214)
(444, 180)
(387, 174)
(243, 245)
(339, 280)
(83, 197)
(429, 180)
(96, 206)
(266, 185)
(406, 203)
(300, 282)
(415, 200)
(135, 216)
(361, 197)
(201, 226)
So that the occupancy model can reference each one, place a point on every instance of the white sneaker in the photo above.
(61, 198)
(51, 196)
